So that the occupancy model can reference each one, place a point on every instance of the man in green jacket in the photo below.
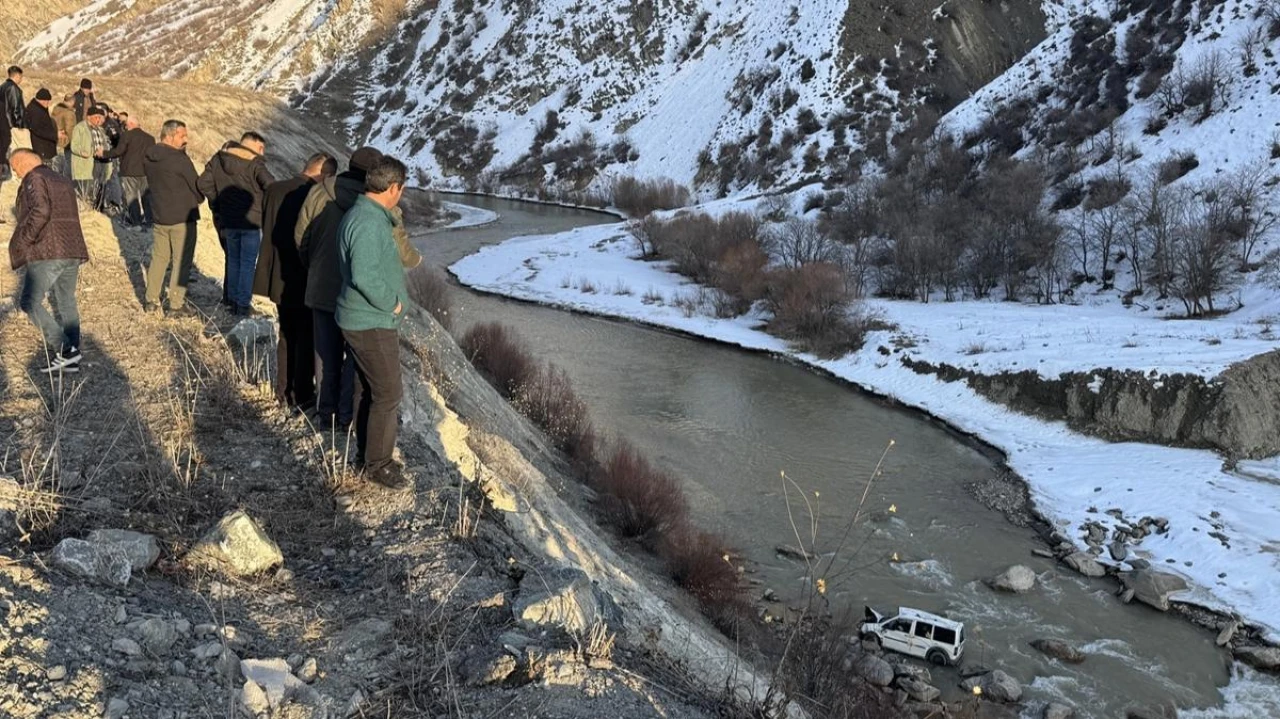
(370, 306)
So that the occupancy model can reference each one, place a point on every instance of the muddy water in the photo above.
(730, 422)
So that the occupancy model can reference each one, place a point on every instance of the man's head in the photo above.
(255, 142)
(95, 116)
(174, 134)
(384, 183)
(320, 166)
(130, 123)
(23, 161)
(68, 99)
(362, 161)
(44, 97)
(86, 86)
(15, 74)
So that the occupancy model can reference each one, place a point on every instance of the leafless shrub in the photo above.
(548, 399)
(638, 198)
(701, 563)
(810, 306)
(639, 500)
(495, 351)
(1177, 166)
(799, 242)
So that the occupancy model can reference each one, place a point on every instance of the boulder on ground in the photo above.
(1152, 588)
(1266, 659)
(996, 686)
(1085, 564)
(564, 598)
(1059, 649)
(1058, 711)
(273, 676)
(92, 561)
(1017, 579)
(875, 670)
(487, 666)
(238, 546)
(918, 690)
(142, 550)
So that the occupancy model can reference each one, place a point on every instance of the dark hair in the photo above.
(328, 164)
(96, 110)
(86, 84)
(14, 70)
(385, 172)
(253, 137)
(170, 127)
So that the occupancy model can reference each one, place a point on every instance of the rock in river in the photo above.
(1017, 579)
(1264, 658)
(1059, 649)
(996, 686)
(1058, 711)
(1152, 588)
(1085, 564)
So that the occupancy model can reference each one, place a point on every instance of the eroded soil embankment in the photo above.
(1236, 413)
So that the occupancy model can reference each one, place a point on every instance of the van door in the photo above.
(921, 639)
(897, 635)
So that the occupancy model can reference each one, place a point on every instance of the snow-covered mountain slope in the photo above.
(21, 20)
(745, 94)
(276, 46)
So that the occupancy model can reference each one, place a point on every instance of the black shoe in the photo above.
(389, 476)
(244, 311)
(65, 362)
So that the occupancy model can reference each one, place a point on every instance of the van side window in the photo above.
(944, 635)
(899, 625)
(924, 630)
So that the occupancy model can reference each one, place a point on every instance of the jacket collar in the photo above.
(391, 217)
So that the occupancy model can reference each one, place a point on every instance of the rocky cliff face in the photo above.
(750, 94)
(1236, 413)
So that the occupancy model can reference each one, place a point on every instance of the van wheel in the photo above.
(937, 656)
(873, 638)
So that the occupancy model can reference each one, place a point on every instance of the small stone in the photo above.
(126, 646)
(1043, 553)
(1228, 633)
(918, 690)
(56, 673)
(116, 708)
(208, 650)
(309, 670)
(1263, 658)
(121, 615)
(182, 626)
(1153, 588)
(786, 550)
(1126, 596)
(141, 550)
(875, 670)
(254, 699)
(1085, 564)
(92, 561)
(157, 635)
(177, 668)
(227, 666)
(238, 546)
(204, 630)
(355, 702)
(1119, 552)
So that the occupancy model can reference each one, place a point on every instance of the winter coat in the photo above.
(65, 117)
(12, 113)
(114, 129)
(171, 179)
(317, 238)
(132, 151)
(373, 294)
(82, 157)
(81, 104)
(44, 131)
(48, 226)
(281, 274)
(234, 180)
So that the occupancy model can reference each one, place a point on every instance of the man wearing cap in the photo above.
(316, 235)
(89, 167)
(44, 131)
(64, 115)
(131, 152)
(83, 99)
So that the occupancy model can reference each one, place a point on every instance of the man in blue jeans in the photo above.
(49, 243)
(235, 181)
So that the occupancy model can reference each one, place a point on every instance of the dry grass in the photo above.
(639, 500)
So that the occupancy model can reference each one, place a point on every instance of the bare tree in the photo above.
(854, 224)
(798, 242)
(1248, 47)
(1202, 251)
(1251, 198)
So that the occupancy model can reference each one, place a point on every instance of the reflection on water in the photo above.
(729, 423)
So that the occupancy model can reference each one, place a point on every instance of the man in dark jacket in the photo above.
(175, 208)
(234, 181)
(83, 99)
(48, 241)
(317, 238)
(12, 116)
(131, 151)
(282, 277)
(44, 131)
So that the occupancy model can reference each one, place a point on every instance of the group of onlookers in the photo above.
(330, 250)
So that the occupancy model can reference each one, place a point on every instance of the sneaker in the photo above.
(389, 476)
(64, 362)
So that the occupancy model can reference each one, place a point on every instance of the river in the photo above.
(729, 422)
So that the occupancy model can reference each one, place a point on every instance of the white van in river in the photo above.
(919, 634)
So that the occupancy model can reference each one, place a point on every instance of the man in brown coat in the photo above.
(49, 243)
(64, 116)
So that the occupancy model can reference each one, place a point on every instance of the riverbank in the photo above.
(1073, 479)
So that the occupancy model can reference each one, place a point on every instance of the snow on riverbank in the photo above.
(1073, 478)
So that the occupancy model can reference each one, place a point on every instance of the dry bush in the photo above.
(640, 500)
(638, 198)
(1177, 166)
(429, 290)
(741, 274)
(810, 306)
(547, 398)
(495, 351)
(799, 242)
(642, 231)
(699, 562)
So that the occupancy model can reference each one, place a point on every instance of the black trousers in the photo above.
(377, 394)
(295, 358)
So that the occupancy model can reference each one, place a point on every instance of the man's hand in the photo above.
(399, 308)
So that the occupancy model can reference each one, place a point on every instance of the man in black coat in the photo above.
(12, 117)
(282, 277)
(175, 206)
(83, 99)
(44, 131)
(234, 180)
(131, 152)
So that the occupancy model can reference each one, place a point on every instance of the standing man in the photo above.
(131, 151)
(234, 181)
(64, 115)
(371, 305)
(11, 116)
(83, 99)
(175, 208)
(44, 131)
(48, 241)
(282, 277)
(89, 166)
